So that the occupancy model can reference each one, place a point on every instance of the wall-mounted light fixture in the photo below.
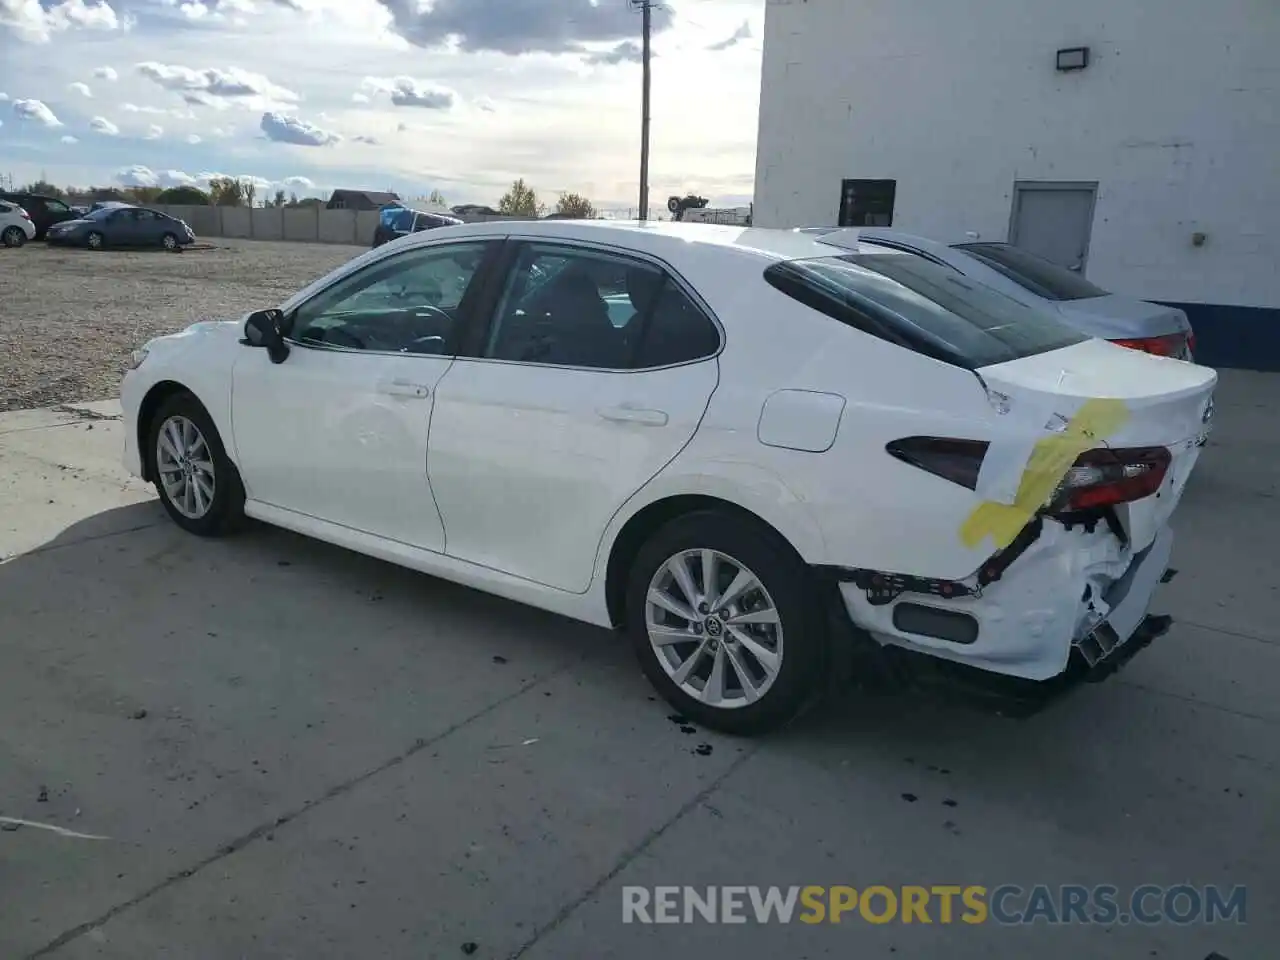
(1073, 58)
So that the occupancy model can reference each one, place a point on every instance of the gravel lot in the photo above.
(68, 318)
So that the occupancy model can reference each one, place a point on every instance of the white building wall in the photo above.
(1177, 118)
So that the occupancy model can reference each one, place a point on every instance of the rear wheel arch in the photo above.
(652, 517)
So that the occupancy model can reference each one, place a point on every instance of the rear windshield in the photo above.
(922, 306)
(1042, 277)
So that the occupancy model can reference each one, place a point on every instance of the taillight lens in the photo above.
(1104, 478)
(956, 460)
(1172, 345)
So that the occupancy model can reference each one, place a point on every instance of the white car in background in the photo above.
(760, 456)
(1150, 327)
(16, 227)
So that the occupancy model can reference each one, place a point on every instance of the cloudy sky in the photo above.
(410, 95)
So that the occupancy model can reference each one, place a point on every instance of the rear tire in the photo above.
(758, 624)
(95, 241)
(13, 237)
(198, 484)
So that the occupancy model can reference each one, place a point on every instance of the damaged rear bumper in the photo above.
(1070, 608)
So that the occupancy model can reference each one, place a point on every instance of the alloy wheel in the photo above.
(95, 241)
(184, 464)
(714, 628)
(14, 237)
(170, 241)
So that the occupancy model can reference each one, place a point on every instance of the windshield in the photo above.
(923, 306)
(1036, 274)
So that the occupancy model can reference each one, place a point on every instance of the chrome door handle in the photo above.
(626, 414)
(404, 388)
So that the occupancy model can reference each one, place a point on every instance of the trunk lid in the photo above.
(1161, 402)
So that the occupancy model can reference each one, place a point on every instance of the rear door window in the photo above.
(922, 306)
(1041, 277)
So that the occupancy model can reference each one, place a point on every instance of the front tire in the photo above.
(720, 612)
(169, 241)
(95, 241)
(14, 237)
(198, 484)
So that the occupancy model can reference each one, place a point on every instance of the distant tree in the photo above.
(574, 206)
(305, 203)
(278, 199)
(143, 194)
(183, 196)
(44, 188)
(248, 190)
(520, 201)
(437, 198)
(293, 199)
(98, 194)
(226, 192)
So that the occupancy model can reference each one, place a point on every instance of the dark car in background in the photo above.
(44, 211)
(396, 221)
(123, 226)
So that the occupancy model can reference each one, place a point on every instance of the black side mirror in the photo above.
(265, 328)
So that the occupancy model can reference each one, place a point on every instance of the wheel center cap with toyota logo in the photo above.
(714, 627)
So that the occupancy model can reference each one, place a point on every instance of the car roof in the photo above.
(658, 237)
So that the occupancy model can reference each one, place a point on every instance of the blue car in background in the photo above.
(397, 221)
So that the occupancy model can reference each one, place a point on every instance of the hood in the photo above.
(1115, 317)
(68, 224)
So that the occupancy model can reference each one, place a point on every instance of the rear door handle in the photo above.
(404, 388)
(626, 414)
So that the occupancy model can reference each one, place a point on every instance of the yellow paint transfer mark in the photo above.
(1052, 457)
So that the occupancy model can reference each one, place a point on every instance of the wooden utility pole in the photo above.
(646, 10)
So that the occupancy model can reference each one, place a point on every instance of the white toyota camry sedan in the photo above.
(768, 461)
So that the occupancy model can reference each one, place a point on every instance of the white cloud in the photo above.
(36, 111)
(68, 139)
(193, 138)
(209, 85)
(103, 126)
(137, 176)
(359, 98)
(3, 97)
(36, 22)
(371, 141)
(106, 73)
(134, 108)
(154, 132)
(80, 88)
(486, 104)
(287, 129)
(176, 178)
(628, 51)
(408, 92)
(742, 33)
(300, 183)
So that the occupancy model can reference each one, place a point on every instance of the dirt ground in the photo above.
(69, 318)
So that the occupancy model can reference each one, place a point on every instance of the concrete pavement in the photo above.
(293, 751)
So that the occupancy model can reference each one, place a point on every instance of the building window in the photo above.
(338, 204)
(867, 203)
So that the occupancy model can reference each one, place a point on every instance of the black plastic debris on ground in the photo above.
(910, 797)
(703, 749)
(499, 658)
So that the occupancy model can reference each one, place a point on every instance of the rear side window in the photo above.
(923, 307)
(1042, 277)
(677, 331)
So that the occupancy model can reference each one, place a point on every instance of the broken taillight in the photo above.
(1171, 345)
(1099, 478)
(1106, 477)
(956, 460)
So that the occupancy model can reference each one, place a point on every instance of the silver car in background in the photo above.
(1036, 282)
